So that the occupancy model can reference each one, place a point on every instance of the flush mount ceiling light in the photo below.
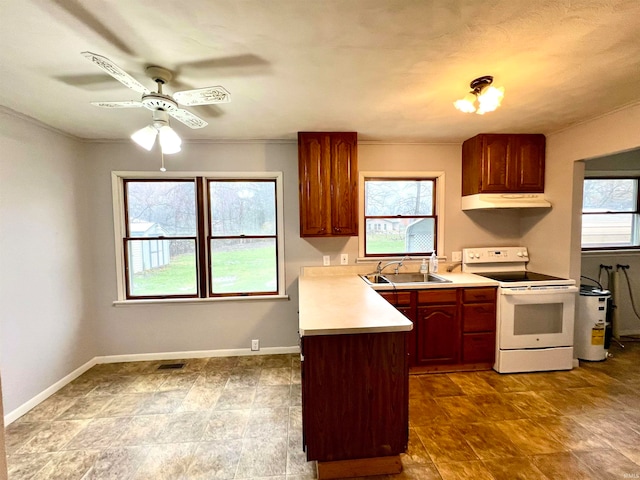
(488, 97)
(169, 140)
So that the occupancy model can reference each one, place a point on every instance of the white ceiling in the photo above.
(388, 69)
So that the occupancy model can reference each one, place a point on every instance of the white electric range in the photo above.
(535, 312)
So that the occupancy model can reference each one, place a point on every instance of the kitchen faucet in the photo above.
(397, 263)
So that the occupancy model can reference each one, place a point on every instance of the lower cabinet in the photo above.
(453, 328)
(355, 396)
(479, 325)
(437, 327)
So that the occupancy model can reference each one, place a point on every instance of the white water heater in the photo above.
(593, 324)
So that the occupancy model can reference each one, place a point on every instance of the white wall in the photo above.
(232, 325)
(554, 238)
(46, 326)
(188, 327)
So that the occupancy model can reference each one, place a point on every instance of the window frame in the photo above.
(635, 212)
(127, 237)
(438, 198)
(203, 279)
(210, 237)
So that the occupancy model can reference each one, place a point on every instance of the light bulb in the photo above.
(490, 99)
(169, 140)
(145, 137)
(466, 104)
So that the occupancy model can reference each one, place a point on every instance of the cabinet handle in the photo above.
(336, 229)
(322, 230)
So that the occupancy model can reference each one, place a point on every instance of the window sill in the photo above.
(611, 251)
(160, 301)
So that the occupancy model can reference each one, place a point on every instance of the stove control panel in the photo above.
(495, 255)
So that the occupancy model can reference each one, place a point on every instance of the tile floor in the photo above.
(240, 418)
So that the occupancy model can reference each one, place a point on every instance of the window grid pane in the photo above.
(243, 266)
(242, 208)
(399, 216)
(160, 267)
(160, 208)
(399, 197)
(610, 195)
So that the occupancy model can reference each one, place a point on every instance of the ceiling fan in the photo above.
(161, 104)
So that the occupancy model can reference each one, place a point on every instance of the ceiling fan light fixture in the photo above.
(145, 137)
(488, 97)
(169, 140)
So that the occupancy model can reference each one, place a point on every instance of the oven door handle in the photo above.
(544, 291)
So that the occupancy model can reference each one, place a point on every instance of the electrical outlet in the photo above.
(456, 256)
(255, 345)
(344, 259)
(326, 260)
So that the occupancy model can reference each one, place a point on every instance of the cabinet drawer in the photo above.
(471, 295)
(397, 298)
(479, 317)
(437, 296)
(478, 347)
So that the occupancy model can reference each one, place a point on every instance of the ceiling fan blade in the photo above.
(203, 96)
(128, 104)
(116, 72)
(188, 118)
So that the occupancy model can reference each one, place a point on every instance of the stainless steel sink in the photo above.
(415, 278)
(403, 278)
(374, 278)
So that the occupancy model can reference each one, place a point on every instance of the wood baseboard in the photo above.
(461, 367)
(360, 467)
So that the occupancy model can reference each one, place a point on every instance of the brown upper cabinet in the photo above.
(503, 163)
(328, 178)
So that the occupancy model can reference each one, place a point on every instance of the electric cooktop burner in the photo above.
(522, 276)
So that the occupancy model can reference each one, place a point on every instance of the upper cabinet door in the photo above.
(495, 163)
(344, 184)
(314, 184)
(529, 155)
(328, 181)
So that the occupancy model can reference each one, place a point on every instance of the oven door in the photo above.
(536, 317)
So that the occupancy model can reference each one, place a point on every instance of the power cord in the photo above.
(592, 280)
(607, 269)
(624, 269)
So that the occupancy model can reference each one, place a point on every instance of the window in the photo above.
(400, 215)
(199, 237)
(610, 213)
(243, 242)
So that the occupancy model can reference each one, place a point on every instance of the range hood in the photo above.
(489, 201)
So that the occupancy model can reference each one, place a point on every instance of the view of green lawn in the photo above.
(177, 277)
(248, 269)
(385, 244)
(235, 271)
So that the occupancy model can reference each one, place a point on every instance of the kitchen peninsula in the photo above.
(354, 373)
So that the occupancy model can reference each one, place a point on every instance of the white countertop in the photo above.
(336, 301)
